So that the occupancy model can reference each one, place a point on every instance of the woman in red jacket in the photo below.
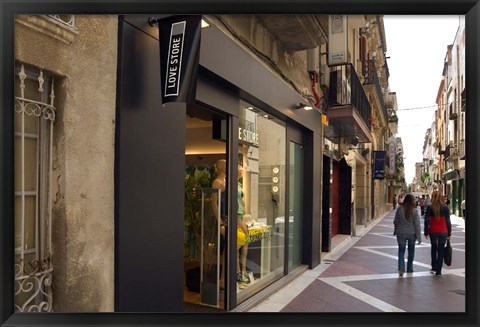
(438, 228)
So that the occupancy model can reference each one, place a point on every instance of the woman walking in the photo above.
(407, 229)
(438, 228)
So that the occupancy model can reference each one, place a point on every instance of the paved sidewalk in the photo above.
(360, 275)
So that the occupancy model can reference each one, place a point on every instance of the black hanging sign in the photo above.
(179, 56)
(379, 164)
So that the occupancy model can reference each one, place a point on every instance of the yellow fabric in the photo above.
(241, 238)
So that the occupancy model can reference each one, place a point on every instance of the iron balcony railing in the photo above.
(371, 78)
(452, 113)
(346, 90)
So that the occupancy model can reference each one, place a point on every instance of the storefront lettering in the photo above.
(247, 135)
(174, 60)
(173, 68)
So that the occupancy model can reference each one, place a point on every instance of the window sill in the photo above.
(49, 26)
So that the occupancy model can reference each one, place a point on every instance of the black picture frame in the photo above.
(9, 8)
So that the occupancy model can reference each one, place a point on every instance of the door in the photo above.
(205, 205)
(345, 199)
(326, 200)
(295, 206)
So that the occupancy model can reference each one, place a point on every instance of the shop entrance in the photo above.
(205, 207)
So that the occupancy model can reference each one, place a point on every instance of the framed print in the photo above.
(151, 152)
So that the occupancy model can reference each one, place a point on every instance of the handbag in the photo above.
(447, 258)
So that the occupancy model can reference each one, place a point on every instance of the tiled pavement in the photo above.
(360, 275)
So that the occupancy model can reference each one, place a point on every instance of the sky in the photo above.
(417, 46)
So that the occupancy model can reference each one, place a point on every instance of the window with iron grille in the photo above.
(34, 122)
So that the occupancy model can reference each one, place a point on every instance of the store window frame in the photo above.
(281, 122)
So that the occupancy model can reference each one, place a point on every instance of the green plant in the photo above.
(196, 178)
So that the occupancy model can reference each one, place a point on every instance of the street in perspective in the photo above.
(361, 276)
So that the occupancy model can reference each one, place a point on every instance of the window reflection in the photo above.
(261, 194)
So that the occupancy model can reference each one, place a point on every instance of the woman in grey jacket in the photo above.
(407, 229)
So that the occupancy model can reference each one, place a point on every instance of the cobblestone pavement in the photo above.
(360, 275)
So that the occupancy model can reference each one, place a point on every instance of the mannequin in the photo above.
(242, 232)
(242, 229)
(220, 183)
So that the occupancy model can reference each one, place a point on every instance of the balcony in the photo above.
(348, 107)
(297, 32)
(446, 153)
(452, 113)
(372, 84)
(451, 151)
(441, 148)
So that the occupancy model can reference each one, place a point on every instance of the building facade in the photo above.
(446, 157)
(124, 203)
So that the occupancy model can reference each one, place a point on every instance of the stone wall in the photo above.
(84, 63)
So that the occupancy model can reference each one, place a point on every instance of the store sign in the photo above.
(247, 132)
(337, 40)
(247, 136)
(391, 154)
(379, 164)
(179, 56)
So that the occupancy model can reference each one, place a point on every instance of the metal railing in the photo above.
(346, 90)
(371, 78)
(33, 220)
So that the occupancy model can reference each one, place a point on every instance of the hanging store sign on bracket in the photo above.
(179, 56)
(379, 164)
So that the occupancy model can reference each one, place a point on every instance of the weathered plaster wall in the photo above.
(83, 158)
(293, 65)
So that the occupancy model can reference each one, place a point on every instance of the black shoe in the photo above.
(438, 274)
(409, 271)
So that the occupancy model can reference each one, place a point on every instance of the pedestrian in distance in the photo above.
(447, 201)
(407, 229)
(438, 228)
(422, 204)
(394, 201)
(428, 202)
(462, 205)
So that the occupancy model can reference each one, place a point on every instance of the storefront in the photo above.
(455, 189)
(247, 156)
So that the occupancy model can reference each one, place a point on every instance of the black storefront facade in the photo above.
(273, 160)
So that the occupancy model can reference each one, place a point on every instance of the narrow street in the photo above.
(360, 275)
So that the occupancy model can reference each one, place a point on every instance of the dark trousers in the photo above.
(403, 240)
(438, 241)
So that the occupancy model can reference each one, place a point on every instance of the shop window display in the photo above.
(260, 192)
(261, 200)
